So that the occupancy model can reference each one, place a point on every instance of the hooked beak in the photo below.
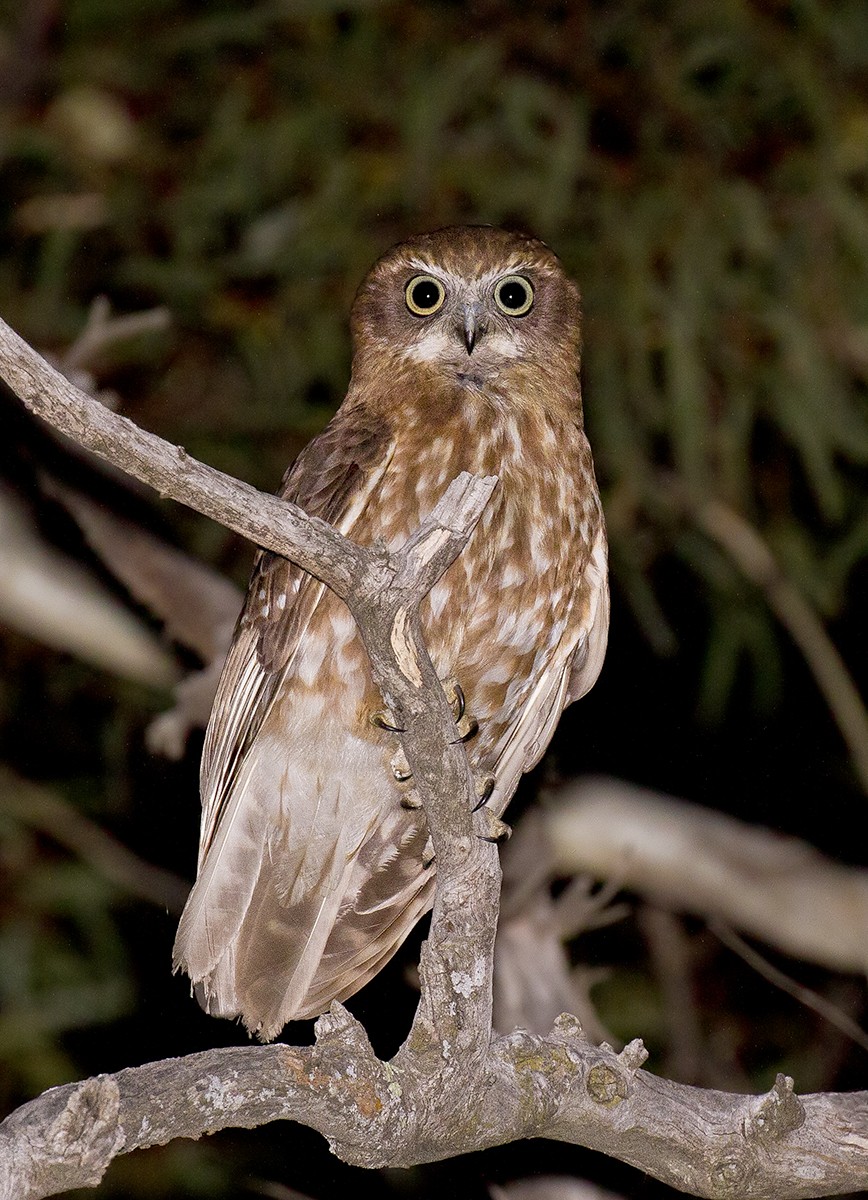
(472, 327)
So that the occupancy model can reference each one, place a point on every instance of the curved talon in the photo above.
(380, 720)
(428, 855)
(484, 787)
(497, 831)
(400, 767)
(466, 725)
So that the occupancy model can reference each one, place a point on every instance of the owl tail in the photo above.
(307, 890)
(266, 970)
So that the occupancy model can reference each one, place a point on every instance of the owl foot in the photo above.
(383, 720)
(428, 854)
(484, 785)
(496, 831)
(466, 725)
(400, 767)
(401, 773)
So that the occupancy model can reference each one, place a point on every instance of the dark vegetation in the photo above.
(702, 169)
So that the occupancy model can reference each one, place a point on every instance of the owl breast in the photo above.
(504, 609)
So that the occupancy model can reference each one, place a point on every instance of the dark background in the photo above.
(702, 170)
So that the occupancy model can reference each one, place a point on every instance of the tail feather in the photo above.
(299, 903)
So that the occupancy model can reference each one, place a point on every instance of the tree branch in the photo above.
(756, 561)
(454, 1086)
(696, 860)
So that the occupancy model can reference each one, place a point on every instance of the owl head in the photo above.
(471, 303)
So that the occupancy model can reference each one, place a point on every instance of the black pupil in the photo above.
(425, 294)
(513, 294)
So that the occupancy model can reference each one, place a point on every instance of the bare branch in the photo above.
(103, 331)
(755, 560)
(376, 1114)
(699, 861)
(267, 521)
(805, 995)
(196, 605)
(48, 596)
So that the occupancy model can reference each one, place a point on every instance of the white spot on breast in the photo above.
(500, 671)
(539, 557)
(310, 660)
(346, 664)
(343, 626)
(513, 575)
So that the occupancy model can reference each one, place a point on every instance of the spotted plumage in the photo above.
(466, 357)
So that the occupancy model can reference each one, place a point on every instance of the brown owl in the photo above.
(313, 865)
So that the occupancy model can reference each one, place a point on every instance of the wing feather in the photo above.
(334, 478)
(571, 672)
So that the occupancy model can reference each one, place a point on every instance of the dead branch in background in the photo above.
(755, 560)
(454, 1086)
(696, 860)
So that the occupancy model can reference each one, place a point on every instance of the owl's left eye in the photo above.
(424, 295)
(514, 295)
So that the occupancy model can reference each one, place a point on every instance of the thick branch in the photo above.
(703, 1142)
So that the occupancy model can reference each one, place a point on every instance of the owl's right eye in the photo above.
(424, 295)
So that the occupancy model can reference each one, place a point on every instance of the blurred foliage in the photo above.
(701, 168)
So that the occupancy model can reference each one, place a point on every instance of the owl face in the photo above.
(470, 303)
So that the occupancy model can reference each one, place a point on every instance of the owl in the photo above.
(314, 860)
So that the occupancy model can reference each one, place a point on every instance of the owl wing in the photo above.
(571, 672)
(333, 478)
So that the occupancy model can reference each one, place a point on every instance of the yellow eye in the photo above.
(514, 295)
(424, 295)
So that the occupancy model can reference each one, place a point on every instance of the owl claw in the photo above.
(410, 800)
(400, 767)
(381, 720)
(484, 787)
(455, 696)
(496, 831)
(466, 725)
(428, 854)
